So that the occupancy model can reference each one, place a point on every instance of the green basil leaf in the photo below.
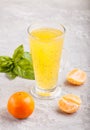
(27, 74)
(18, 53)
(4, 60)
(27, 56)
(25, 64)
(24, 69)
(6, 64)
(11, 75)
(19, 65)
(5, 69)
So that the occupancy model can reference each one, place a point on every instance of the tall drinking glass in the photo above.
(46, 44)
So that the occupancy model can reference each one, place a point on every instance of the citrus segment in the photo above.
(76, 77)
(69, 103)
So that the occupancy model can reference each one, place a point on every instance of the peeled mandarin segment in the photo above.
(76, 77)
(69, 103)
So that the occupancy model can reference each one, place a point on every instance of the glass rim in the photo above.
(28, 30)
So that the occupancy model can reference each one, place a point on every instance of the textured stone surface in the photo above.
(15, 17)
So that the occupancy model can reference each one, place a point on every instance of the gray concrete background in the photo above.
(15, 17)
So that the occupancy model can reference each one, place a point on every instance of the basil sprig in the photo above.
(19, 65)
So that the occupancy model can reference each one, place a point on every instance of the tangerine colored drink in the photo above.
(46, 48)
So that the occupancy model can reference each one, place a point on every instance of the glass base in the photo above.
(43, 94)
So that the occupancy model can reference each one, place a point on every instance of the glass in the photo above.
(46, 44)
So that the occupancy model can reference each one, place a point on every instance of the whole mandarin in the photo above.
(21, 105)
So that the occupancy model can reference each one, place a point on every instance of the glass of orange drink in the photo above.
(46, 44)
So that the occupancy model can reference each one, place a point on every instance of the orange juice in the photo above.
(46, 48)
